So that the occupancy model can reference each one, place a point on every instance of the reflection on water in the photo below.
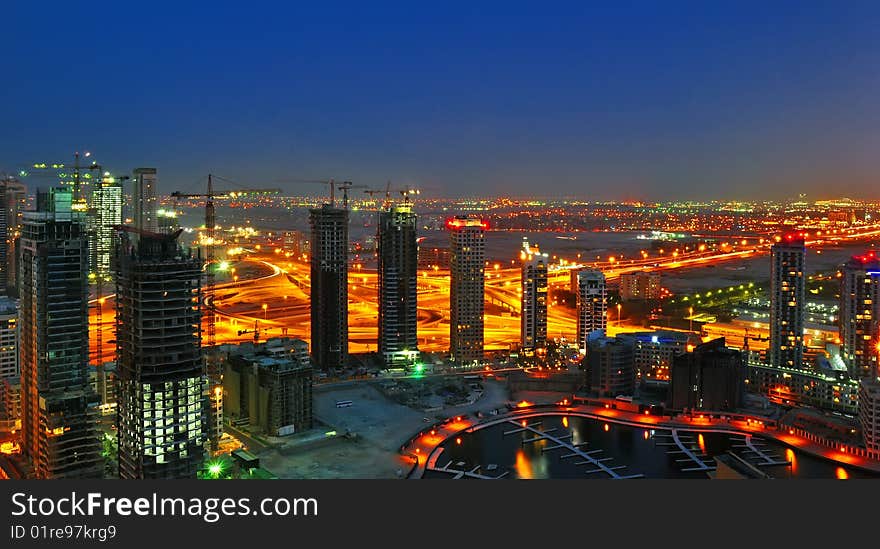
(523, 465)
(638, 450)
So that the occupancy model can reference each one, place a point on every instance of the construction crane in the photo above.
(344, 187)
(213, 365)
(330, 182)
(257, 330)
(747, 337)
(406, 192)
(59, 170)
(210, 228)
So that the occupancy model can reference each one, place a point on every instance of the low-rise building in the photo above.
(269, 387)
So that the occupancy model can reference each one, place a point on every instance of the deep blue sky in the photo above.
(646, 100)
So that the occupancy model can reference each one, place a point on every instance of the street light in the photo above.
(691, 317)
(265, 308)
(619, 306)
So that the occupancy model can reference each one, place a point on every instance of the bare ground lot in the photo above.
(379, 425)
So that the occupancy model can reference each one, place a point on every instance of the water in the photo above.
(635, 447)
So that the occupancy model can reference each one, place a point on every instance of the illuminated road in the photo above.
(279, 300)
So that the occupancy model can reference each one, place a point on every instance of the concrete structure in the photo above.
(13, 199)
(533, 312)
(639, 286)
(269, 387)
(59, 418)
(433, 258)
(787, 300)
(610, 364)
(162, 385)
(653, 353)
(167, 220)
(869, 414)
(709, 378)
(859, 314)
(143, 199)
(10, 398)
(822, 388)
(467, 287)
(329, 280)
(591, 305)
(105, 213)
(398, 286)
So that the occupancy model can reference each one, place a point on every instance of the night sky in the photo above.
(626, 100)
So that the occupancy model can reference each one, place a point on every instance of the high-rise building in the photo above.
(105, 213)
(59, 418)
(859, 314)
(13, 198)
(167, 220)
(639, 286)
(591, 305)
(533, 314)
(162, 400)
(787, 296)
(611, 366)
(10, 405)
(466, 288)
(398, 290)
(143, 199)
(712, 377)
(329, 280)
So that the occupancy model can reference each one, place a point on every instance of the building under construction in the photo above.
(329, 286)
(59, 415)
(398, 291)
(269, 386)
(162, 391)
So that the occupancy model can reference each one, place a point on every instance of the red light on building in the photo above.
(456, 223)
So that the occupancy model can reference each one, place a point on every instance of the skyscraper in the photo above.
(59, 417)
(10, 399)
(106, 212)
(329, 280)
(143, 199)
(398, 295)
(162, 415)
(859, 314)
(787, 302)
(533, 317)
(13, 196)
(591, 305)
(466, 288)
(167, 220)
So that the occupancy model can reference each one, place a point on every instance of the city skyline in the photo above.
(454, 241)
(638, 102)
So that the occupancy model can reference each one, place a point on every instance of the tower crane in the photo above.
(330, 182)
(257, 330)
(212, 364)
(344, 187)
(210, 238)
